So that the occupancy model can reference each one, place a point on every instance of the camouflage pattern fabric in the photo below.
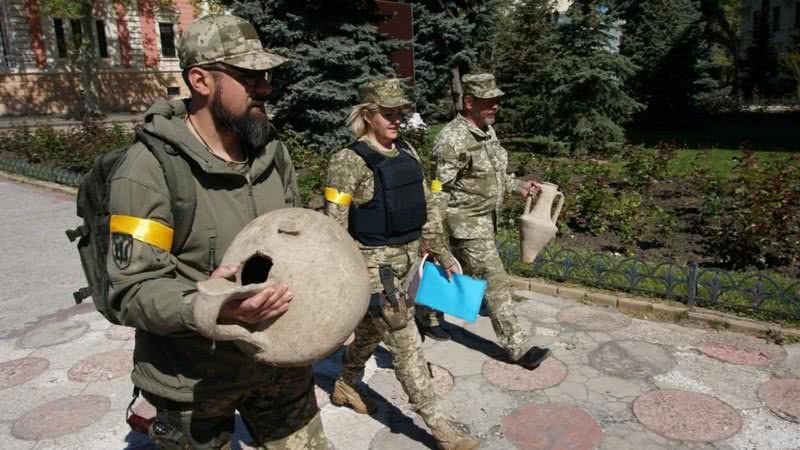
(225, 39)
(349, 173)
(282, 415)
(386, 93)
(481, 85)
(472, 167)
(480, 259)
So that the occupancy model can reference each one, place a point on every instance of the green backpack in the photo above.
(93, 197)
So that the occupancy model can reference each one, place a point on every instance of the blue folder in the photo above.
(460, 297)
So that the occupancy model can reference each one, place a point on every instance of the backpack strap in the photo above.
(180, 183)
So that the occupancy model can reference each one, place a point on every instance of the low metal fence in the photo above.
(41, 172)
(770, 295)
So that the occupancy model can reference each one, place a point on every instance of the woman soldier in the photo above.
(376, 189)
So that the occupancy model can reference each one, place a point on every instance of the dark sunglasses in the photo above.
(247, 78)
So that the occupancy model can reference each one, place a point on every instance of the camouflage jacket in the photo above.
(348, 173)
(472, 167)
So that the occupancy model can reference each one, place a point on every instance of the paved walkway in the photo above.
(614, 382)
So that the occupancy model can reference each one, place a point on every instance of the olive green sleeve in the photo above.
(146, 291)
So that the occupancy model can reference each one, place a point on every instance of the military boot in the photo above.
(449, 437)
(352, 397)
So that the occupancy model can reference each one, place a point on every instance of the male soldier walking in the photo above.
(240, 171)
(470, 182)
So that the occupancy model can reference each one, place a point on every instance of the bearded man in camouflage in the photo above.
(470, 182)
(376, 189)
(240, 170)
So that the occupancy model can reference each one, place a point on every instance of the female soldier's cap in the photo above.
(386, 93)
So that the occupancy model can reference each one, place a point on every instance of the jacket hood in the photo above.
(166, 119)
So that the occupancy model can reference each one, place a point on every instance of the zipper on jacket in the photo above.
(212, 250)
(250, 194)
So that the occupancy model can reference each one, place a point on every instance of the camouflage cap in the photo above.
(387, 93)
(225, 39)
(481, 85)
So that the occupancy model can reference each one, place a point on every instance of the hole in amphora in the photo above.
(256, 269)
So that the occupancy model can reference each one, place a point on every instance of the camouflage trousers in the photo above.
(479, 259)
(410, 367)
(280, 416)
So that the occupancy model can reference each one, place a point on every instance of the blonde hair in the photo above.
(358, 126)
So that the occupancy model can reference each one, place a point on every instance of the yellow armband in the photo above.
(144, 230)
(340, 198)
(436, 186)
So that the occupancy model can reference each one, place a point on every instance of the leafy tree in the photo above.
(333, 46)
(83, 58)
(589, 80)
(792, 62)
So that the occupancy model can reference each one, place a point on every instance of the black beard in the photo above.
(252, 128)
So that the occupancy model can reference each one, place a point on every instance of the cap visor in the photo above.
(395, 103)
(494, 93)
(260, 60)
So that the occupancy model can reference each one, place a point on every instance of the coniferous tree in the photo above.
(527, 46)
(665, 40)
(761, 62)
(589, 80)
(333, 46)
(441, 41)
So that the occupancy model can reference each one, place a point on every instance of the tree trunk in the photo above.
(87, 64)
(456, 90)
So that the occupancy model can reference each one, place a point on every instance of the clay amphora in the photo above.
(538, 225)
(324, 269)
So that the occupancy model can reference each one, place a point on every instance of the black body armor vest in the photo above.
(397, 211)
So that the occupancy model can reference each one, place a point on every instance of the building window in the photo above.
(61, 40)
(7, 56)
(102, 42)
(76, 33)
(776, 18)
(167, 32)
(173, 91)
(797, 15)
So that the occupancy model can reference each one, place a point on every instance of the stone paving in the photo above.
(614, 382)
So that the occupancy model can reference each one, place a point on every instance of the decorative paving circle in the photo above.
(102, 367)
(782, 397)
(736, 356)
(687, 416)
(60, 417)
(18, 371)
(632, 359)
(736, 348)
(590, 319)
(120, 333)
(552, 426)
(442, 380)
(516, 378)
(52, 334)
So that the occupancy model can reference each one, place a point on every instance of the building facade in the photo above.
(783, 23)
(135, 44)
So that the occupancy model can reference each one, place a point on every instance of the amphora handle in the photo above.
(212, 295)
(556, 213)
